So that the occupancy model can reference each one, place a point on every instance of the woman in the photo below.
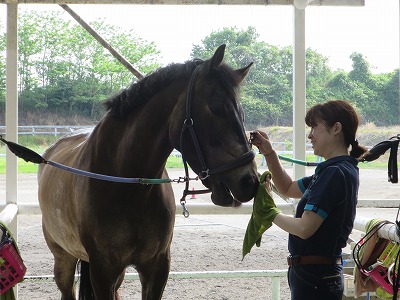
(325, 214)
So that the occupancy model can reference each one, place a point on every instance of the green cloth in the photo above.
(8, 295)
(264, 212)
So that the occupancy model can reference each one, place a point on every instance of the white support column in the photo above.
(12, 112)
(12, 107)
(299, 92)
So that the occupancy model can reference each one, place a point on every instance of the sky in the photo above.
(335, 32)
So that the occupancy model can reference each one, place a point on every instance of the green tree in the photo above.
(267, 93)
(361, 69)
(63, 69)
(385, 108)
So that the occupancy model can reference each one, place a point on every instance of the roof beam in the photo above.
(192, 2)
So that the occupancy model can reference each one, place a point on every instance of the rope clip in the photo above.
(185, 212)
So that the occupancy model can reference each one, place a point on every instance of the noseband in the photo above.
(188, 124)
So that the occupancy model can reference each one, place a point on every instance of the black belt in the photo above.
(313, 260)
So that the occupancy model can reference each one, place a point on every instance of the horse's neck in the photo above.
(140, 143)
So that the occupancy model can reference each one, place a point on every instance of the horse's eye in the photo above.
(217, 107)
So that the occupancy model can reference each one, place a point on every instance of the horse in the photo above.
(107, 226)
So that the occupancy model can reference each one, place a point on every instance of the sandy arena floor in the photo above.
(201, 243)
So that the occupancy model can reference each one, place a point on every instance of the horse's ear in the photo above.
(242, 73)
(218, 56)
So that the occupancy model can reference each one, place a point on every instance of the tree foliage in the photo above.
(62, 69)
(267, 96)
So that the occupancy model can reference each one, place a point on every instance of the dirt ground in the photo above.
(201, 243)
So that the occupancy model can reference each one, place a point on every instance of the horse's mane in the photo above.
(121, 104)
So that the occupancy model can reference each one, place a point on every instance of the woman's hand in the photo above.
(261, 141)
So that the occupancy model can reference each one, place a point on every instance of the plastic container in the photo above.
(12, 268)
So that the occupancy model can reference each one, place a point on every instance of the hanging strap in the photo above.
(380, 149)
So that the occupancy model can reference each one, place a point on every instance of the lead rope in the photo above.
(31, 156)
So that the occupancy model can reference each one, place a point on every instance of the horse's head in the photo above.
(213, 139)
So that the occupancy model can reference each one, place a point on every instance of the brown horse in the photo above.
(108, 226)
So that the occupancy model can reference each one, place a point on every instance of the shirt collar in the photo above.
(335, 160)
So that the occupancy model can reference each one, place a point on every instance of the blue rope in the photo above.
(107, 177)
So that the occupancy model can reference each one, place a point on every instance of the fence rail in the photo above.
(46, 129)
(280, 147)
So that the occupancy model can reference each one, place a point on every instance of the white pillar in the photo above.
(299, 92)
(12, 106)
(12, 112)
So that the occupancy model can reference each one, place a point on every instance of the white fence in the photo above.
(45, 130)
(281, 147)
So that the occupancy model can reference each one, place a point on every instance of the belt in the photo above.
(313, 260)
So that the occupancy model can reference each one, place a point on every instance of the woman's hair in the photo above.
(338, 111)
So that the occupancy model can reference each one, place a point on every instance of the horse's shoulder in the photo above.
(69, 143)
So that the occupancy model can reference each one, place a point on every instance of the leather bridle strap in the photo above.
(188, 124)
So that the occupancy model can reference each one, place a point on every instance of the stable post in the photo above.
(12, 107)
(299, 92)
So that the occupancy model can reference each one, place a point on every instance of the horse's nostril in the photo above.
(251, 182)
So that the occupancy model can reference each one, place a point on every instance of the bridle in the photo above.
(188, 125)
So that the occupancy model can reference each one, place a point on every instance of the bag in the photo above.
(375, 259)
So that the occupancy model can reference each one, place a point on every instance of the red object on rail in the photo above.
(12, 268)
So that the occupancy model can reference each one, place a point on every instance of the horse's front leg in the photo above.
(154, 275)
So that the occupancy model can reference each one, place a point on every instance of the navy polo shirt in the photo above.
(332, 193)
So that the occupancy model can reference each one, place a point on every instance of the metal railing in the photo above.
(46, 129)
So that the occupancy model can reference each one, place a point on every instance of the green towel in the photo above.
(8, 295)
(264, 212)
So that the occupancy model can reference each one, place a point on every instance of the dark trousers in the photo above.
(316, 282)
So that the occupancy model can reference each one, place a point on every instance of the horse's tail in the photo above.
(85, 286)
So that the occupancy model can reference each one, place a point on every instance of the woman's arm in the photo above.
(283, 182)
(303, 227)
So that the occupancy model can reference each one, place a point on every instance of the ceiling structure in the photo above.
(193, 2)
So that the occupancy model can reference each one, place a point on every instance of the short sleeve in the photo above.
(327, 192)
(304, 182)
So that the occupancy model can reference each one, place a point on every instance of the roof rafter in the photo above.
(192, 2)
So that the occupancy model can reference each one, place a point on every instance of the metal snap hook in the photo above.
(204, 174)
(185, 212)
(188, 122)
